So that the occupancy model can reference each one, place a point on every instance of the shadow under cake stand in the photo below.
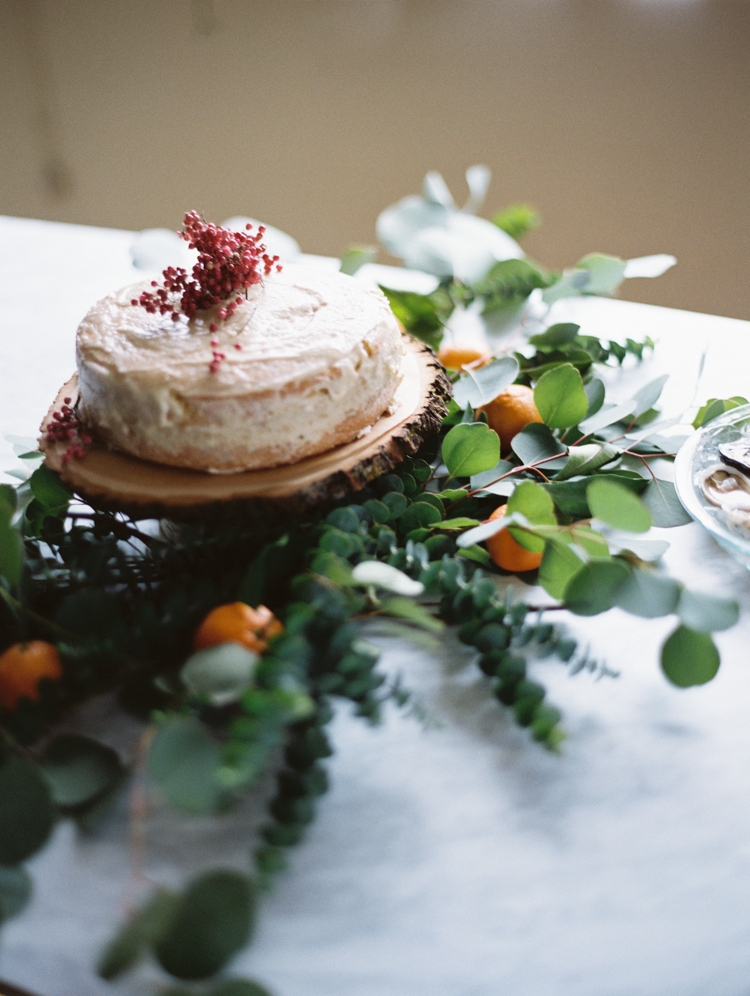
(110, 480)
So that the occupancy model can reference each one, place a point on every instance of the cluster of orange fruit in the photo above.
(24, 665)
(512, 410)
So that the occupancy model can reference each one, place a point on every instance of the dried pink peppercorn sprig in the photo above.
(65, 426)
(228, 264)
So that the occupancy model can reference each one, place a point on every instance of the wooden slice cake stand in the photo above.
(111, 480)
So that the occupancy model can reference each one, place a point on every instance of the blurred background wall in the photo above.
(626, 123)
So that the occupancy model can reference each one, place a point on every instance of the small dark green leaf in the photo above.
(689, 658)
(560, 398)
(213, 920)
(648, 594)
(184, 760)
(469, 449)
(79, 769)
(27, 813)
(15, 891)
(705, 613)
(395, 502)
(141, 931)
(49, 490)
(536, 443)
(419, 515)
(660, 498)
(594, 588)
(570, 497)
(616, 505)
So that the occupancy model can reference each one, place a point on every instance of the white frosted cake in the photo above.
(306, 362)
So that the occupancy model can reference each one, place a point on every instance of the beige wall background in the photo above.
(625, 123)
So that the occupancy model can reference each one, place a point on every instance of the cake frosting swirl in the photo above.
(308, 360)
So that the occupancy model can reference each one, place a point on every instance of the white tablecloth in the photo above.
(454, 858)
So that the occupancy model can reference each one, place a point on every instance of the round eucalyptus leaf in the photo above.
(470, 448)
(560, 398)
(373, 572)
(559, 565)
(532, 501)
(607, 273)
(140, 932)
(665, 508)
(221, 672)
(420, 515)
(15, 890)
(617, 505)
(648, 594)
(689, 658)
(27, 813)
(707, 612)
(594, 588)
(536, 442)
(184, 761)
(480, 386)
(79, 769)
(213, 920)
(48, 489)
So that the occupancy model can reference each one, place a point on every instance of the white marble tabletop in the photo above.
(455, 858)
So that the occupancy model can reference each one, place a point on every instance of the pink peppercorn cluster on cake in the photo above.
(241, 366)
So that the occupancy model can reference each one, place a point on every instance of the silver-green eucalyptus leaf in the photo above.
(649, 266)
(478, 387)
(379, 575)
(221, 672)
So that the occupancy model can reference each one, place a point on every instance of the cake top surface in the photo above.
(291, 327)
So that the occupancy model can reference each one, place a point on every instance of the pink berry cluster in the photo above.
(228, 263)
(64, 426)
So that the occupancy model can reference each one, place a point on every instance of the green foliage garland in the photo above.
(121, 599)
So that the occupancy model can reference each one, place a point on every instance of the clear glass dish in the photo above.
(695, 461)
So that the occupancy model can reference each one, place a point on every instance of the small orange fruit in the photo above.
(22, 667)
(238, 623)
(455, 357)
(512, 410)
(507, 553)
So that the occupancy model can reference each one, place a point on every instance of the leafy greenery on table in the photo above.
(123, 598)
